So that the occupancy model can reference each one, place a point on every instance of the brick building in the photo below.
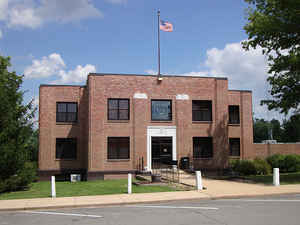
(120, 123)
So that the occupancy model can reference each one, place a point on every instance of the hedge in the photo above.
(285, 163)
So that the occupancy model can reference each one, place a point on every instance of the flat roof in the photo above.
(153, 75)
(124, 74)
(240, 90)
(62, 85)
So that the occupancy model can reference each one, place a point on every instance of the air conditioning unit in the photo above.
(75, 177)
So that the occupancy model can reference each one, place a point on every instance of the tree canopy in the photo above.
(274, 25)
(287, 131)
(15, 128)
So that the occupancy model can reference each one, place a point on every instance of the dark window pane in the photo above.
(118, 148)
(123, 114)
(71, 117)
(72, 107)
(201, 110)
(161, 110)
(61, 116)
(59, 150)
(234, 114)
(202, 147)
(66, 148)
(234, 145)
(66, 112)
(61, 107)
(118, 109)
(112, 104)
(112, 146)
(113, 114)
(124, 148)
(123, 104)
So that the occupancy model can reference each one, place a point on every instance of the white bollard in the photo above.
(53, 191)
(199, 180)
(129, 184)
(276, 177)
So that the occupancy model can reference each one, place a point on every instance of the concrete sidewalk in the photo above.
(215, 189)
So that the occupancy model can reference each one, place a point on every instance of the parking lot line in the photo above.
(172, 207)
(63, 214)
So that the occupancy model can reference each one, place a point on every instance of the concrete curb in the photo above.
(83, 201)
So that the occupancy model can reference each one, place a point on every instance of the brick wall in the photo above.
(110, 86)
(93, 127)
(265, 150)
(49, 130)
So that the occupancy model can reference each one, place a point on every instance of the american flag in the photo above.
(166, 26)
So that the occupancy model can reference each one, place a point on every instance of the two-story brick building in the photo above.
(119, 123)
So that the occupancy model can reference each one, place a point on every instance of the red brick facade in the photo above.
(93, 127)
(265, 150)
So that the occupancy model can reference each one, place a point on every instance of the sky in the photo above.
(62, 41)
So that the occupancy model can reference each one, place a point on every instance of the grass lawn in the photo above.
(67, 189)
(286, 178)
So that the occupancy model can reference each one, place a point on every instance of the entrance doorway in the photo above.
(161, 151)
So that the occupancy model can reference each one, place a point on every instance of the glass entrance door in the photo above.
(161, 151)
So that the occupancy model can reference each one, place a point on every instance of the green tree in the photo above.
(292, 129)
(260, 130)
(277, 130)
(15, 129)
(274, 25)
(32, 146)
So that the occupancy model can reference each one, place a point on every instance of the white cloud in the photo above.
(78, 75)
(199, 73)
(54, 65)
(26, 17)
(151, 72)
(245, 70)
(3, 9)
(33, 14)
(47, 66)
(1, 35)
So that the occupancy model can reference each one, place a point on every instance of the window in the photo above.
(66, 148)
(66, 112)
(202, 110)
(118, 148)
(202, 147)
(118, 109)
(161, 110)
(234, 114)
(234, 146)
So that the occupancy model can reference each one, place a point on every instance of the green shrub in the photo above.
(262, 167)
(21, 180)
(292, 163)
(285, 163)
(244, 167)
(233, 163)
(277, 161)
(250, 167)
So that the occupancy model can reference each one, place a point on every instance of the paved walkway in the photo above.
(215, 189)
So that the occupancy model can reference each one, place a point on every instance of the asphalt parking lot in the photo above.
(284, 209)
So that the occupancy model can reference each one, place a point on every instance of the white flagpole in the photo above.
(158, 33)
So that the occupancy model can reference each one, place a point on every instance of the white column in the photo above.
(199, 180)
(53, 190)
(276, 177)
(129, 184)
